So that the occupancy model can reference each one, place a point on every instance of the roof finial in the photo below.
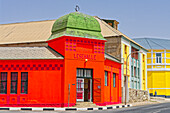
(77, 8)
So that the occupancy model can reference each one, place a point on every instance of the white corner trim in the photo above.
(125, 42)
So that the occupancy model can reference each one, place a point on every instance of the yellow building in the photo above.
(158, 65)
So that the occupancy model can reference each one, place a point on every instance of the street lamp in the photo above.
(126, 83)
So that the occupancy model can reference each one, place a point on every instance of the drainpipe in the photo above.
(111, 85)
(122, 82)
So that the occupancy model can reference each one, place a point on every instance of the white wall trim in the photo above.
(143, 52)
(165, 58)
(125, 42)
(158, 88)
(141, 77)
(158, 52)
(159, 64)
(130, 58)
(162, 57)
(159, 69)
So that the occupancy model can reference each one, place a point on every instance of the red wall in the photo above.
(48, 80)
(44, 82)
(76, 50)
(113, 94)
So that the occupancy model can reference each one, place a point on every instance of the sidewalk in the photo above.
(153, 100)
(75, 108)
(90, 106)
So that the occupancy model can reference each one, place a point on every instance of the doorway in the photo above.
(84, 85)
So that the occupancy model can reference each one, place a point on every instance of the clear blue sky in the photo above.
(137, 18)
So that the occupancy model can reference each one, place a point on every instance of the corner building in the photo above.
(68, 66)
(134, 83)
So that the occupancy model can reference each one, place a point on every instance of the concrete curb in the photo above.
(60, 109)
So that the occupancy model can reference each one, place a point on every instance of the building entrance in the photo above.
(84, 85)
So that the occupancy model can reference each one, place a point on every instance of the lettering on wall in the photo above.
(84, 56)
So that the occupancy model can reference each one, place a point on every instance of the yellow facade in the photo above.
(158, 72)
(125, 54)
(143, 71)
(126, 49)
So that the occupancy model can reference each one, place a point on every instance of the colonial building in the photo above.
(158, 66)
(57, 63)
(130, 52)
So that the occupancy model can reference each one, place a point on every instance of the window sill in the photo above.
(24, 94)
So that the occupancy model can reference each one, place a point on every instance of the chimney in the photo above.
(112, 23)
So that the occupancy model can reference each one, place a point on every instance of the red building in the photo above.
(70, 66)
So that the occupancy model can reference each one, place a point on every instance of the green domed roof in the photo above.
(76, 24)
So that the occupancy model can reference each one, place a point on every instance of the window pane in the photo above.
(132, 84)
(106, 77)
(14, 76)
(81, 72)
(159, 59)
(85, 73)
(24, 76)
(23, 88)
(24, 82)
(132, 71)
(78, 72)
(14, 80)
(114, 80)
(138, 73)
(3, 83)
(158, 54)
(89, 74)
(13, 87)
(156, 59)
(3, 76)
(135, 85)
(138, 85)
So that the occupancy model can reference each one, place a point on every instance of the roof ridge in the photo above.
(28, 22)
(148, 43)
(152, 38)
(157, 44)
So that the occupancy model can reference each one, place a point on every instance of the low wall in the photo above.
(136, 95)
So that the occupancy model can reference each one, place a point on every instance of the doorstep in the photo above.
(62, 109)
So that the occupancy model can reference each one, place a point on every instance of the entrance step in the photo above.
(85, 104)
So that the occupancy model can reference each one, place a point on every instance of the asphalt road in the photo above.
(155, 108)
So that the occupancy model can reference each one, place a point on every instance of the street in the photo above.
(154, 108)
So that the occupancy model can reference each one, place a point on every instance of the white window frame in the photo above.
(158, 58)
